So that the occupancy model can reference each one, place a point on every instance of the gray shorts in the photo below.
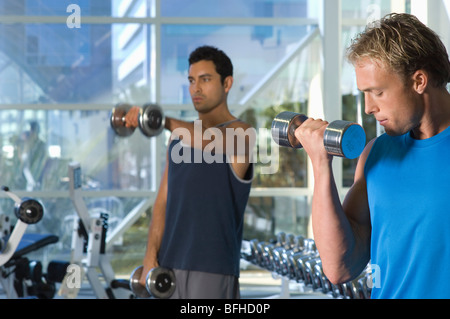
(203, 285)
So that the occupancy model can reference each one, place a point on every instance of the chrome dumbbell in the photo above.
(151, 120)
(341, 138)
(160, 283)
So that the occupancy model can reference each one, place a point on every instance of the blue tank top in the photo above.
(204, 213)
(408, 184)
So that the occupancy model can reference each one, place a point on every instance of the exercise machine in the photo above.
(88, 249)
(21, 277)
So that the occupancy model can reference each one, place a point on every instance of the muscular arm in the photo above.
(239, 147)
(341, 231)
(156, 228)
(235, 140)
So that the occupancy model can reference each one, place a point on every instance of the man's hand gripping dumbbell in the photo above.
(125, 118)
(159, 283)
(340, 138)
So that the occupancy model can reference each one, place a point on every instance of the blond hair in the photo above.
(405, 45)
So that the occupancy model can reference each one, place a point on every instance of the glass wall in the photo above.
(65, 64)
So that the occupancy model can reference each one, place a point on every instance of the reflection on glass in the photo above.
(169, 8)
(57, 7)
(62, 65)
(369, 10)
(50, 63)
(237, 8)
(254, 51)
(37, 147)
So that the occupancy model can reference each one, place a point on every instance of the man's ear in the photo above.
(228, 83)
(420, 80)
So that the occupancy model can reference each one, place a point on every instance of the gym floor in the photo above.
(255, 284)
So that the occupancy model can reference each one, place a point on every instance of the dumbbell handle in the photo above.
(341, 138)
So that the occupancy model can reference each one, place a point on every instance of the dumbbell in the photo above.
(309, 252)
(310, 274)
(151, 120)
(159, 283)
(341, 138)
(322, 280)
(268, 260)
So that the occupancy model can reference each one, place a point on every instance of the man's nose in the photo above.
(370, 105)
(195, 87)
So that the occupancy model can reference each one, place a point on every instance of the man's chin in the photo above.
(393, 133)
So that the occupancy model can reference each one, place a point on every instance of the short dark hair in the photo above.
(405, 45)
(222, 62)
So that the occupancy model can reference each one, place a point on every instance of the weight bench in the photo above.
(23, 278)
(33, 242)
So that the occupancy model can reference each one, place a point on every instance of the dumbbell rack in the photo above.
(296, 259)
(88, 246)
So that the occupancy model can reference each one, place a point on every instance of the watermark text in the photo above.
(74, 19)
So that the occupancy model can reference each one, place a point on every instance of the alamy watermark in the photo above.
(373, 14)
(74, 19)
(74, 276)
(374, 280)
(235, 145)
(71, 283)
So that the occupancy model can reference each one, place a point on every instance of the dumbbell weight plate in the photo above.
(344, 139)
(139, 290)
(117, 120)
(30, 211)
(161, 282)
(284, 126)
(151, 120)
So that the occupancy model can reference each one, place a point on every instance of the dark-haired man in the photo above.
(197, 223)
